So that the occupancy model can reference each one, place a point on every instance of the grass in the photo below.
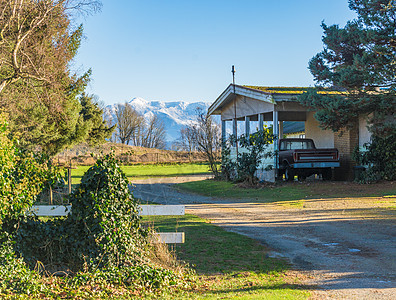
(155, 170)
(229, 265)
(288, 191)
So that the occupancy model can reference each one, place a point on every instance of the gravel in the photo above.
(342, 247)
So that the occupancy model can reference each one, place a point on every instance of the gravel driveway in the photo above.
(342, 246)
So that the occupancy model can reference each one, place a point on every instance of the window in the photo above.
(293, 145)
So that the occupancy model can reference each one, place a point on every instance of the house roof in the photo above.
(290, 90)
(263, 93)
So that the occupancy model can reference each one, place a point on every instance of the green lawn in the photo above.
(287, 191)
(146, 171)
(228, 265)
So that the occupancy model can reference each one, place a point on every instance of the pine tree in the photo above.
(92, 117)
(358, 60)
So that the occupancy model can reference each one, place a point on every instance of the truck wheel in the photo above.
(289, 174)
(326, 174)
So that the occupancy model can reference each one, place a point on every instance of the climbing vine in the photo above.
(102, 238)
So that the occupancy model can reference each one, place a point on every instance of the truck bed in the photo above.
(305, 162)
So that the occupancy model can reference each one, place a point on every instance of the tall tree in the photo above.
(360, 61)
(38, 41)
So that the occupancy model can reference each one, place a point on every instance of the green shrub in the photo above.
(380, 159)
(248, 161)
(15, 276)
(101, 241)
(228, 166)
(22, 176)
(104, 227)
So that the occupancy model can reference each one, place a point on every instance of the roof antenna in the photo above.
(233, 75)
(235, 116)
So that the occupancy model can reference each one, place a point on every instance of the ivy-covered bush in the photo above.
(255, 144)
(14, 274)
(101, 240)
(104, 227)
(22, 176)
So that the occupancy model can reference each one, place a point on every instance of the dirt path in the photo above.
(346, 247)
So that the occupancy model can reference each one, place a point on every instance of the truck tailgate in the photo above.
(316, 155)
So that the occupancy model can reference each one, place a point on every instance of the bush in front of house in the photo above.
(98, 250)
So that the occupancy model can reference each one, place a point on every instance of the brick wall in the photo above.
(346, 141)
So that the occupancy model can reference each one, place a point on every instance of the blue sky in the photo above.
(175, 50)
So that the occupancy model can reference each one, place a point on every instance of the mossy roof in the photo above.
(290, 90)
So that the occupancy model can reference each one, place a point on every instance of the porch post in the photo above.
(234, 128)
(281, 129)
(247, 126)
(261, 121)
(223, 131)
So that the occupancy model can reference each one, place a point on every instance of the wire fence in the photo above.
(58, 195)
(131, 158)
(53, 196)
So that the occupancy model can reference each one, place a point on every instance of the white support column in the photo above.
(275, 124)
(234, 128)
(223, 131)
(261, 121)
(247, 126)
(281, 129)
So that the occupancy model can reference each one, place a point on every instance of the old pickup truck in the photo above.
(300, 157)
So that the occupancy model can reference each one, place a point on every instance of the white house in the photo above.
(278, 104)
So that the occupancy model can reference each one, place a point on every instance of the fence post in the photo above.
(69, 178)
(51, 196)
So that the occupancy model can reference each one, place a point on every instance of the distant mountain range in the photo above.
(175, 114)
(178, 114)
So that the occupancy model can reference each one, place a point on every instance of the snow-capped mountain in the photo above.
(175, 114)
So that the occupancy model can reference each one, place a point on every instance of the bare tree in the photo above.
(154, 134)
(187, 140)
(207, 135)
(129, 123)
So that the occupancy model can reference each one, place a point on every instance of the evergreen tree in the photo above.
(96, 130)
(359, 61)
(43, 98)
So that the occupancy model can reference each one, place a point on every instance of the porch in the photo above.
(253, 107)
